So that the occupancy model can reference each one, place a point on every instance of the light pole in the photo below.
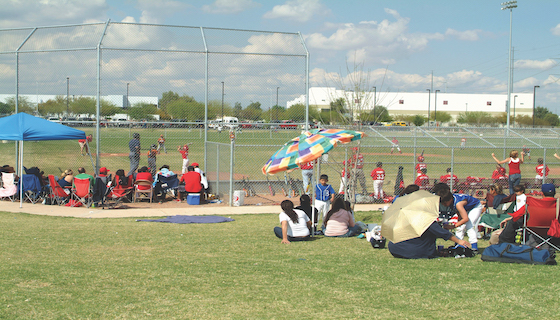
(67, 93)
(222, 103)
(127, 94)
(277, 88)
(514, 99)
(429, 96)
(435, 107)
(374, 102)
(509, 5)
(534, 91)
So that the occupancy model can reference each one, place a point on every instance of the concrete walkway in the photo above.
(82, 212)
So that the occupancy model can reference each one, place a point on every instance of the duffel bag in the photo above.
(513, 253)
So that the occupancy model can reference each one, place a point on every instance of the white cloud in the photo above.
(556, 30)
(381, 42)
(297, 10)
(536, 64)
(31, 13)
(158, 11)
(468, 35)
(229, 6)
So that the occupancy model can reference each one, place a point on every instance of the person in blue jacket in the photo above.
(469, 210)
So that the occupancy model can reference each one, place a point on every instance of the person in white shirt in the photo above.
(295, 224)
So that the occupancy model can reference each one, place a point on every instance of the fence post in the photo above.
(232, 146)
(217, 169)
(544, 166)
(452, 165)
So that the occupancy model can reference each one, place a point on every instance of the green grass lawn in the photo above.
(69, 268)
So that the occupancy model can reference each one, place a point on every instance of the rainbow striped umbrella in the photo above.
(307, 147)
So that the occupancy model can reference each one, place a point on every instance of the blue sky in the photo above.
(464, 43)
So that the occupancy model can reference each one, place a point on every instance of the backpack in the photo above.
(513, 253)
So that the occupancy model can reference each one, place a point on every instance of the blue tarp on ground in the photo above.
(190, 219)
(25, 127)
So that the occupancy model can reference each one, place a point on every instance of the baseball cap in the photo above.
(548, 187)
(195, 164)
(103, 170)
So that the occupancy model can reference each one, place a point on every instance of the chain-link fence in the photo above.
(113, 79)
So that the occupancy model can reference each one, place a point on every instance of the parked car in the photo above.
(288, 124)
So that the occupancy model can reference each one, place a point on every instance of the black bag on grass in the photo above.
(513, 253)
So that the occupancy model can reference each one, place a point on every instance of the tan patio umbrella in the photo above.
(409, 216)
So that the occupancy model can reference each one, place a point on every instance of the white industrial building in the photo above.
(413, 103)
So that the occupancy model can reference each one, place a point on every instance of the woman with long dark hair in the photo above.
(295, 224)
(339, 221)
(305, 206)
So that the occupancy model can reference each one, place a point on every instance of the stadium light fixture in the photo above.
(509, 5)
(534, 92)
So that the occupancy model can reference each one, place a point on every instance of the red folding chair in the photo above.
(121, 192)
(82, 192)
(58, 194)
(539, 214)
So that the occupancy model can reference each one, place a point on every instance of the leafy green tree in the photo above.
(4, 108)
(278, 112)
(475, 117)
(108, 109)
(83, 105)
(381, 114)
(552, 119)
(142, 111)
(237, 110)
(167, 98)
(53, 106)
(418, 120)
(177, 109)
(442, 116)
(24, 105)
(296, 112)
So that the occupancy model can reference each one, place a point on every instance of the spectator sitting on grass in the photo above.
(339, 221)
(295, 224)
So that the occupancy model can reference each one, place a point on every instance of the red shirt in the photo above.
(514, 166)
(539, 170)
(499, 174)
(447, 177)
(420, 166)
(192, 181)
(422, 180)
(359, 163)
(185, 153)
(307, 166)
(378, 174)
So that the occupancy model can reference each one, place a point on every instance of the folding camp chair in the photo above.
(166, 185)
(100, 190)
(31, 188)
(121, 192)
(539, 214)
(143, 190)
(58, 194)
(82, 192)
(9, 188)
(492, 218)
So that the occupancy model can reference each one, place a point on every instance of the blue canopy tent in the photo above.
(24, 127)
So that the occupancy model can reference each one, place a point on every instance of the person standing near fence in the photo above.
(161, 144)
(378, 175)
(134, 155)
(541, 170)
(152, 154)
(184, 151)
(395, 144)
(527, 152)
(358, 170)
(307, 175)
(463, 143)
(514, 163)
(84, 144)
